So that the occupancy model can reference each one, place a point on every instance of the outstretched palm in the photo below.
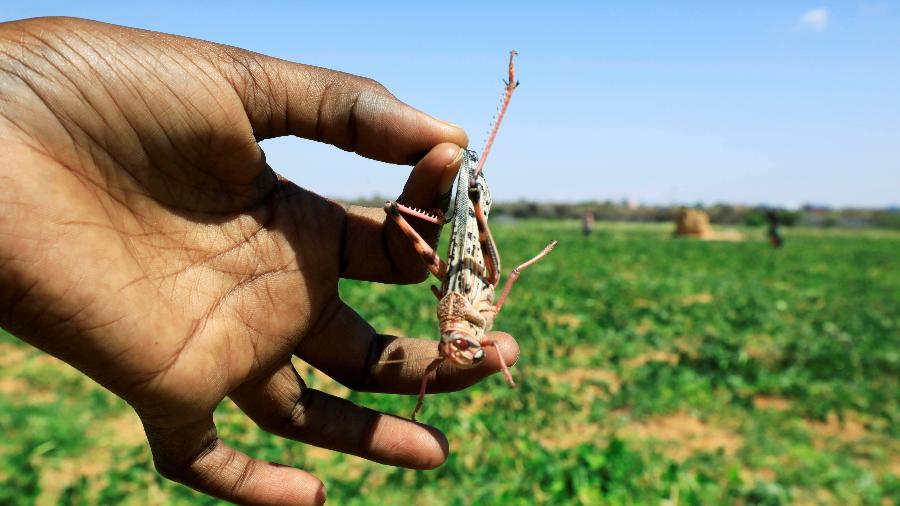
(144, 239)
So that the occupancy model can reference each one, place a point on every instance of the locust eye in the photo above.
(460, 343)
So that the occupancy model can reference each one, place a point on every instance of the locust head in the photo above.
(462, 349)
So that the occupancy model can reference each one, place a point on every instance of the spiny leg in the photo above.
(431, 258)
(488, 246)
(437, 218)
(503, 367)
(424, 385)
(514, 275)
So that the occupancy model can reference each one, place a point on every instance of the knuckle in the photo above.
(182, 470)
(245, 476)
(244, 71)
(43, 22)
(360, 382)
(295, 421)
(288, 423)
(370, 85)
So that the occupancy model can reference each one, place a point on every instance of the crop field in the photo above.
(653, 371)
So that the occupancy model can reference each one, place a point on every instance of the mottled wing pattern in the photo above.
(465, 261)
(482, 185)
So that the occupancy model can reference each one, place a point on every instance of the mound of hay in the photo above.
(692, 223)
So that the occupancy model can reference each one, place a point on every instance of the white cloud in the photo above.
(815, 19)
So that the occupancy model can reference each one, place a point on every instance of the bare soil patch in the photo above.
(576, 429)
(763, 348)
(569, 321)
(582, 379)
(18, 389)
(579, 354)
(124, 431)
(653, 356)
(696, 298)
(570, 435)
(683, 435)
(644, 327)
(12, 355)
(847, 429)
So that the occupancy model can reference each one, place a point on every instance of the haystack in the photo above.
(692, 223)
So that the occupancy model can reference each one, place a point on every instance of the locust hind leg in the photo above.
(431, 258)
(424, 385)
(514, 275)
(485, 239)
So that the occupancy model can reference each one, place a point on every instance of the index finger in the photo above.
(351, 112)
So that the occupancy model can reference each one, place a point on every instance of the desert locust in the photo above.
(470, 274)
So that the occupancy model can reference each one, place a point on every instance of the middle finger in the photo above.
(346, 348)
(281, 403)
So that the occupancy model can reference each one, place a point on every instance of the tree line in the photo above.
(719, 213)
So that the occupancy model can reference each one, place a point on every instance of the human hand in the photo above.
(145, 241)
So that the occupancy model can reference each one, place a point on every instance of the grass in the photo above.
(652, 370)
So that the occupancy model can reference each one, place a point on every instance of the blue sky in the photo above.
(775, 102)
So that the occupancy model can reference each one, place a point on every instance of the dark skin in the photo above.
(145, 240)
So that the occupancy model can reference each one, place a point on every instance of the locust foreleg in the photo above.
(424, 385)
(503, 367)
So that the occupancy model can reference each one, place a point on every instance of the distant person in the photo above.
(587, 223)
(145, 241)
(774, 221)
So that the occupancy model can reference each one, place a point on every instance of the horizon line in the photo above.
(624, 202)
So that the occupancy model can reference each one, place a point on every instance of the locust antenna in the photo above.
(406, 360)
(511, 85)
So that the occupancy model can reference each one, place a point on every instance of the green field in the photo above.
(653, 371)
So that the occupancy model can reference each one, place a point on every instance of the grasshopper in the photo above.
(471, 273)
